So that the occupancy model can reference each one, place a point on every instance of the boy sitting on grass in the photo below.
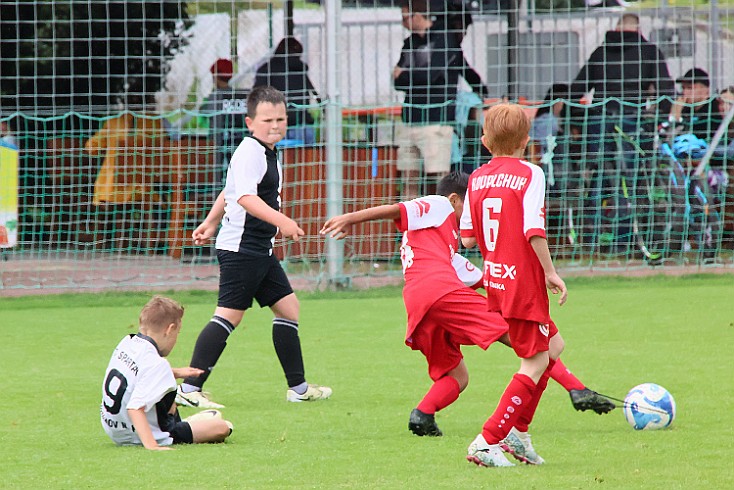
(139, 387)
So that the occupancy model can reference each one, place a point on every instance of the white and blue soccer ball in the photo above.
(649, 407)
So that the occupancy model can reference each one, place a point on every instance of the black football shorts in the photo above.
(244, 277)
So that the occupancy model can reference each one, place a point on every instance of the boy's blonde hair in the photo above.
(160, 312)
(506, 128)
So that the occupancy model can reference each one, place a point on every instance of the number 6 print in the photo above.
(491, 208)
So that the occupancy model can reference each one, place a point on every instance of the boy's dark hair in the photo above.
(263, 93)
(453, 183)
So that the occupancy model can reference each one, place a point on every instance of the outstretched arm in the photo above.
(338, 226)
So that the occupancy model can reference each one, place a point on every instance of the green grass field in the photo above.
(678, 332)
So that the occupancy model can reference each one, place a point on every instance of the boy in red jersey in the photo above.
(446, 314)
(504, 213)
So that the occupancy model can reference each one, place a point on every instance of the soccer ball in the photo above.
(649, 407)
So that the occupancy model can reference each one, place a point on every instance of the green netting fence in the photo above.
(623, 194)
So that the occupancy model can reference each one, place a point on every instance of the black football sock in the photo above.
(209, 346)
(288, 348)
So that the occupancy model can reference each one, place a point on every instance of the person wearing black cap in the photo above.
(226, 109)
(695, 111)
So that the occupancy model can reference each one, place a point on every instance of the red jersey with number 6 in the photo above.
(504, 207)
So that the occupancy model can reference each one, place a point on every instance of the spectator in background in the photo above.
(286, 72)
(428, 70)
(630, 68)
(696, 117)
(226, 109)
(696, 111)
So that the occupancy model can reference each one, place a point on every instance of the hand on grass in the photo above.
(159, 448)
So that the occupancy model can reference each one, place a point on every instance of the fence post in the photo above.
(334, 174)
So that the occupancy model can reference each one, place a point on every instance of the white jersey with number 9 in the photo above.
(137, 376)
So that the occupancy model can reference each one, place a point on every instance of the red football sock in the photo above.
(516, 396)
(529, 412)
(565, 378)
(443, 393)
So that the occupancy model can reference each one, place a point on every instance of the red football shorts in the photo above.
(529, 337)
(458, 318)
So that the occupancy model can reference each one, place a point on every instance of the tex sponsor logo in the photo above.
(544, 329)
(494, 270)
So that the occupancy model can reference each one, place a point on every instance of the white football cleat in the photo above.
(489, 455)
(313, 393)
(519, 445)
(196, 399)
(204, 415)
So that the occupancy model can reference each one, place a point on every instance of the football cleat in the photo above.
(209, 415)
(196, 399)
(587, 399)
(313, 393)
(518, 444)
(423, 424)
(204, 415)
(489, 455)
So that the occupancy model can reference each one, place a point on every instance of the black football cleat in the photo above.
(423, 424)
(587, 399)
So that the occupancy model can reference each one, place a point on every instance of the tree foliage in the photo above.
(85, 56)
